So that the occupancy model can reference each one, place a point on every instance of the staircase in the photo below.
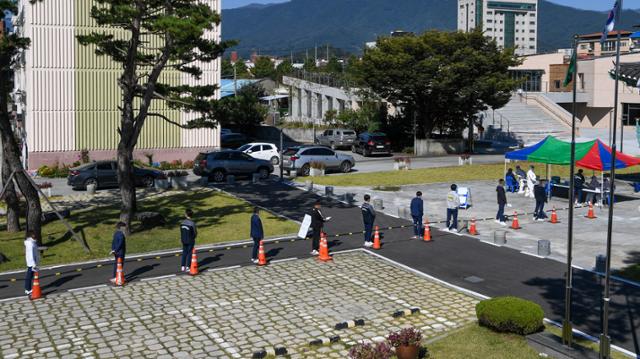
(523, 122)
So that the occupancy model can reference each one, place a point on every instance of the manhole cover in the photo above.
(474, 279)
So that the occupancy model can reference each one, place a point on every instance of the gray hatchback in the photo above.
(299, 159)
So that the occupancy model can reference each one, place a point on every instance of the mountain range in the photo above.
(294, 26)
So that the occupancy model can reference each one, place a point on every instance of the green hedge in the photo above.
(510, 315)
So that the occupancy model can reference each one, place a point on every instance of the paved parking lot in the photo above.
(234, 312)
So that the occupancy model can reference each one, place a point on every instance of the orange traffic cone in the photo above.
(554, 216)
(591, 214)
(194, 263)
(119, 273)
(472, 228)
(36, 292)
(262, 257)
(427, 231)
(376, 238)
(324, 248)
(515, 224)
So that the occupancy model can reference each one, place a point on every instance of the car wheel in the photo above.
(365, 153)
(275, 160)
(353, 149)
(305, 170)
(89, 181)
(148, 181)
(217, 176)
(345, 167)
(263, 172)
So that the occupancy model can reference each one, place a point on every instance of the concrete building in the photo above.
(595, 87)
(67, 97)
(589, 44)
(512, 23)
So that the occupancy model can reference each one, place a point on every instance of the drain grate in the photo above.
(474, 279)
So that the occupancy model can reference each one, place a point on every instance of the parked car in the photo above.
(337, 138)
(217, 165)
(299, 159)
(232, 140)
(224, 131)
(104, 174)
(372, 143)
(262, 151)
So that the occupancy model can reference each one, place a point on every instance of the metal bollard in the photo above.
(601, 263)
(308, 185)
(256, 177)
(500, 238)
(231, 179)
(402, 212)
(328, 191)
(544, 248)
(377, 204)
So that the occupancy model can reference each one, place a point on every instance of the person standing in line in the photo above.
(417, 211)
(317, 224)
(32, 257)
(188, 234)
(522, 176)
(257, 233)
(540, 194)
(453, 203)
(594, 185)
(502, 202)
(579, 182)
(368, 217)
(531, 181)
(118, 247)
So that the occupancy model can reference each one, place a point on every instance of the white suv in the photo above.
(262, 151)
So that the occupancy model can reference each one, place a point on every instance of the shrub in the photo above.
(369, 351)
(188, 164)
(407, 336)
(55, 171)
(510, 315)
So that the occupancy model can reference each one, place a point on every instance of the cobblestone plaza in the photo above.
(234, 312)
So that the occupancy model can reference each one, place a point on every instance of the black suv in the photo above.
(218, 164)
(104, 174)
(372, 143)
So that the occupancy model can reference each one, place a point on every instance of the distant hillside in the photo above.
(348, 24)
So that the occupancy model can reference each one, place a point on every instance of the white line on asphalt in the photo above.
(476, 294)
(532, 255)
(157, 278)
(284, 260)
(87, 288)
(491, 244)
(12, 298)
(222, 269)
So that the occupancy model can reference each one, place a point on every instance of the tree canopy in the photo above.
(264, 68)
(443, 78)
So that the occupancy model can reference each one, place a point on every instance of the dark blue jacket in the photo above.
(368, 213)
(256, 227)
(118, 245)
(416, 207)
(188, 232)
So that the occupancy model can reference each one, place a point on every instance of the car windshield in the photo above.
(244, 147)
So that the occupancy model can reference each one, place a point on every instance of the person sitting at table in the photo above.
(521, 175)
(512, 182)
(592, 197)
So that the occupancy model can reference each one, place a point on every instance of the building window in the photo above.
(556, 84)
(532, 22)
(532, 39)
(532, 31)
(489, 29)
(609, 46)
(533, 14)
(532, 47)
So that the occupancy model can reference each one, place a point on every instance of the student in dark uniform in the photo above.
(540, 194)
(188, 233)
(257, 233)
(502, 201)
(317, 224)
(118, 247)
(417, 211)
(368, 217)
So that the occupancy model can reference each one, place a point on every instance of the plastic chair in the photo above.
(512, 185)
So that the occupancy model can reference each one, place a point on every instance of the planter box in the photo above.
(179, 182)
(161, 184)
(400, 166)
(316, 172)
(91, 189)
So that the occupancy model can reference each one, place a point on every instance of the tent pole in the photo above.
(567, 326)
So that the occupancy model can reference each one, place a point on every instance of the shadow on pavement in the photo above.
(60, 281)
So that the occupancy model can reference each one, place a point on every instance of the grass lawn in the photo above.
(439, 175)
(219, 217)
(474, 341)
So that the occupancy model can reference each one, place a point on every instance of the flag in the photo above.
(572, 69)
(614, 15)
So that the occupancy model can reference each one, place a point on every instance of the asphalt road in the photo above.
(451, 258)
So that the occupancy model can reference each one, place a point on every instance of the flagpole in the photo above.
(605, 340)
(567, 328)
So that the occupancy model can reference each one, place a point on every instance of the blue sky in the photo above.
(584, 4)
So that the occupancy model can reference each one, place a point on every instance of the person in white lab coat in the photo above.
(32, 258)
(531, 182)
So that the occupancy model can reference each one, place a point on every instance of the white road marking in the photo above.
(87, 288)
(158, 278)
(284, 260)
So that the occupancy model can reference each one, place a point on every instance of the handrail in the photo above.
(564, 116)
